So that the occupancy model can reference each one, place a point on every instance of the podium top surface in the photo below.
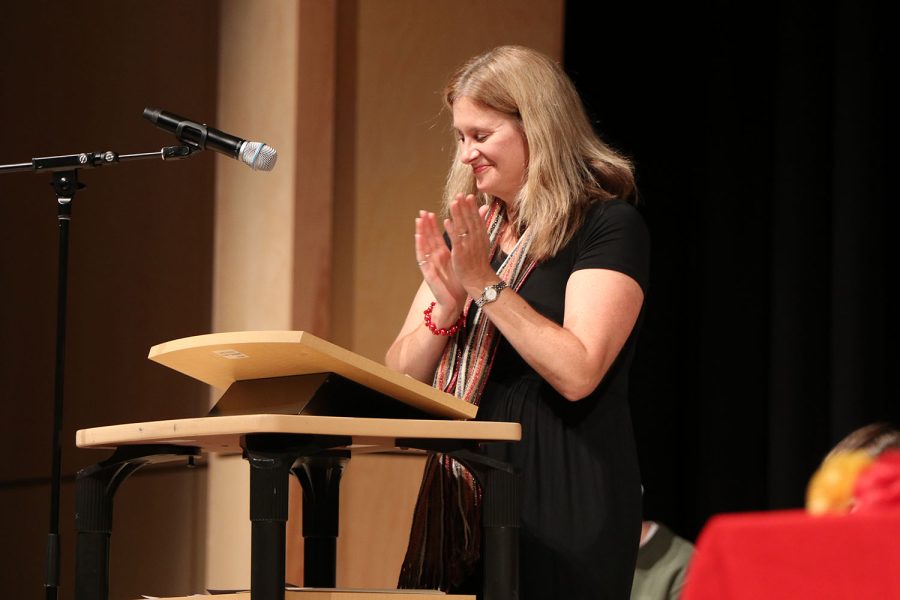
(223, 434)
(220, 359)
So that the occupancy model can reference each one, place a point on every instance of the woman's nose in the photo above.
(469, 154)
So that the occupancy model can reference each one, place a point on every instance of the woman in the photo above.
(530, 304)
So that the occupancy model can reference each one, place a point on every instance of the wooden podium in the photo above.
(296, 404)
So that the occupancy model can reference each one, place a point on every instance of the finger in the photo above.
(457, 202)
(450, 225)
(422, 230)
(423, 239)
(421, 250)
(434, 231)
(467, 218)
(439, 249)
(425, 243)
(425, 218)
(457, 212)
(422, 220)
(470, 212)
(483, 211)
(450, 229)
(458, 226)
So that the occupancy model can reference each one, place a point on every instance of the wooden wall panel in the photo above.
(254, 249)
(255, 210)
(314, 166)
(76, 78)
(377, 498)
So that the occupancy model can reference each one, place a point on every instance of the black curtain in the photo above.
(765, 141)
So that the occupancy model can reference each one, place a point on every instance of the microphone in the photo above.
(257, 155)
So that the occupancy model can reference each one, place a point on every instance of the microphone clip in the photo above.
(178, 152)
(202, 129)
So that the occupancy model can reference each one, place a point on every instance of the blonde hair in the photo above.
(873, 439)
(569, 167)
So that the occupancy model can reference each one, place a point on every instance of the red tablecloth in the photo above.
(792, 556)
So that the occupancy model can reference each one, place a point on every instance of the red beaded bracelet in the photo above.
(434, 329)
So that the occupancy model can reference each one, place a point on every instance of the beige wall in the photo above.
(254, 211)
(348, 92)
(254, 234)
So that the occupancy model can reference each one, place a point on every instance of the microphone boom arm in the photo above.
(90, 160)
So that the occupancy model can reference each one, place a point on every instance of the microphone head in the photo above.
(258, 156)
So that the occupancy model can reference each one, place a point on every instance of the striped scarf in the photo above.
(471, 351)
(445, 539)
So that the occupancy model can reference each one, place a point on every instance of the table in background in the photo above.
(790, 555)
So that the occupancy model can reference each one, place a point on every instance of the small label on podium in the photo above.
(233, 354)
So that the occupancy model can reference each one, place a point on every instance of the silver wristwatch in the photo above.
(490, 293)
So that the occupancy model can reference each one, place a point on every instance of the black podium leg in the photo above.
(95, 488)
(320, 477)
(268, 515)
(501, 535)
(501, 513)
(271, 457)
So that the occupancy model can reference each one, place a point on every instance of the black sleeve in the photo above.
(615, 237)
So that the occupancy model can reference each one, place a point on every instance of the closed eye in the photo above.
(478, 136)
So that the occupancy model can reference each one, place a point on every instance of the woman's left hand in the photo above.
(471, 246)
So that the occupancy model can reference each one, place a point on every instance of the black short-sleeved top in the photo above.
(581, 508)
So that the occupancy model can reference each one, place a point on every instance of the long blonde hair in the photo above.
(569, 167)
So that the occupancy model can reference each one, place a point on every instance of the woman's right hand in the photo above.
(434, 260)
(416, 351)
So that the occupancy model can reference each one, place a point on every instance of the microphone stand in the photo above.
(65, 184)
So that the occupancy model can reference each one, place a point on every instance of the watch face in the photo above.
(490, 294)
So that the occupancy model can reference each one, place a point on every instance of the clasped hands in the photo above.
(452, 275)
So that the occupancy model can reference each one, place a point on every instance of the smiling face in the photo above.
(491, 143)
